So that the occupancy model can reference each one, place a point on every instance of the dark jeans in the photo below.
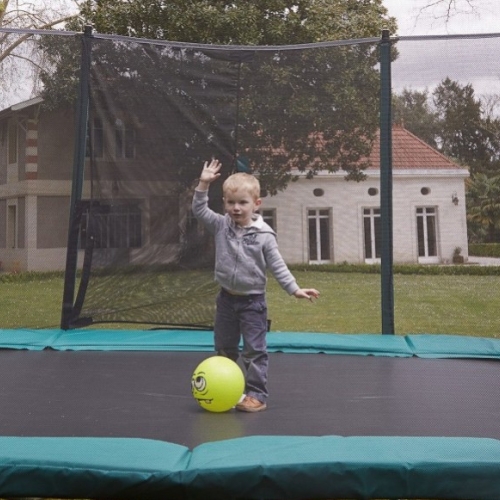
(244, 317)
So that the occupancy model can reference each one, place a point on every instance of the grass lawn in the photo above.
(349, 303)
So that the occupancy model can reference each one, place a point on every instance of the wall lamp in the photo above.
(454, 198)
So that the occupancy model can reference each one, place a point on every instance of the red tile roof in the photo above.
(410, 152)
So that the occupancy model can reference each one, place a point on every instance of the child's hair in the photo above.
(244, 181)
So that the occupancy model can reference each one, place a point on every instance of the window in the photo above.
(427, 234)
(124, 140)
(115, 138)
(13, 141)
(319, 235)
(113, 227)
(12, 226)
(164, 216)
(95, 139)
(372, 233)
(269, 217)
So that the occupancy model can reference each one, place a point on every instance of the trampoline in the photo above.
(109, 414)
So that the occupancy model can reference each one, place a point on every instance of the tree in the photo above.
(465, 135)
(19, 52)
(412, 109)
(300, 108)
(483, 207)
(240, 22)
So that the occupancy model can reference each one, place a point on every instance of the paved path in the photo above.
(484, 261)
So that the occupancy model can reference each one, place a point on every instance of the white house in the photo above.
(330, 220)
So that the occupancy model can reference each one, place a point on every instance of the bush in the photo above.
(401, 269)
(484, 249)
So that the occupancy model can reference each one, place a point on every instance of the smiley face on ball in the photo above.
(200, 388)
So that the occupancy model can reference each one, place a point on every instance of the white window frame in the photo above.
(372, 216)
(96, 135)
(316, 215)
(426, 212)
(124, 135)
(269, 217)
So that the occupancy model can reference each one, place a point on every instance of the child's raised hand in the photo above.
(306, 293)
(210, 171)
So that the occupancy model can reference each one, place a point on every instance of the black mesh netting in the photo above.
(158, 111)
(124, 133)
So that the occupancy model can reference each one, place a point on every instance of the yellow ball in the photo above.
(217, 384)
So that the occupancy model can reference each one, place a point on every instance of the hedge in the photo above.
(429, 269)
(484, 249)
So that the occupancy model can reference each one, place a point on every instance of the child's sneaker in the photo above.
(251, 405)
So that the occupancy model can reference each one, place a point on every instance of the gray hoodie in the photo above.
(243, 255)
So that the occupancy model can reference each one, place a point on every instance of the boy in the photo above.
(245, 247)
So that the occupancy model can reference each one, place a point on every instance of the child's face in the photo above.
(240, 205)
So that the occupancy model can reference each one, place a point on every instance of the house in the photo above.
(329, 220)
(319, 220)
(35, 187)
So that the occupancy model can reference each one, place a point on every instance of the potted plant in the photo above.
(458, 258)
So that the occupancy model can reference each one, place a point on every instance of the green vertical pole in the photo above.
(387, 278)
(82, 112)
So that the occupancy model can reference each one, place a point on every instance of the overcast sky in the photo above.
(414, 20)
(423, 64)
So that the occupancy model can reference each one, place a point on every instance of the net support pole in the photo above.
(82, 111)
(387, 279)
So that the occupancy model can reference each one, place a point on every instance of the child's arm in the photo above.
(282, 274)
(208, 175)
(306, 293)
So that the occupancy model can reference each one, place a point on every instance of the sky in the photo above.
(413, 19)
(423, 65)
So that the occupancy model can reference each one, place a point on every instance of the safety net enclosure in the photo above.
(371, 152)
(158, 111)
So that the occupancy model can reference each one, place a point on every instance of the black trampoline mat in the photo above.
(145, 394)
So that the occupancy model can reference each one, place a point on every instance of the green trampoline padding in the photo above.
(89, 467)
(424, 346)
(293, 468)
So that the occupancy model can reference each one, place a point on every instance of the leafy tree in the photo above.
(454, 121)
(465, 135)
(297, 108)
(20, 55)
(483, 207)
(412, 109)
(240, 22)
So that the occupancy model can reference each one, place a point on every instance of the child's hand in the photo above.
(210, 171)
(306, 293)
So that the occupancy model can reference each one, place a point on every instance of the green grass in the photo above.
(27, 303)
(349, 303)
